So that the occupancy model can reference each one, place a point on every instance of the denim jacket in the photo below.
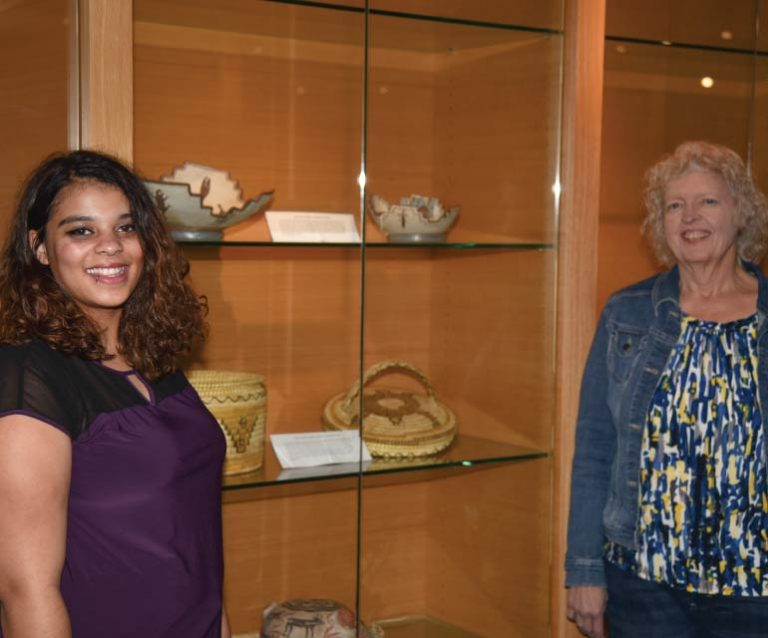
(638, 328)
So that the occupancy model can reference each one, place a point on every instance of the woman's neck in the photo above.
(108, 324)
(720, 292)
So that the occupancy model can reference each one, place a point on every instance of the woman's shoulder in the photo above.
(634, 302)
(31, 354)
(640, 288)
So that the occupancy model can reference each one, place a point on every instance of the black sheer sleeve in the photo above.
(34, 382)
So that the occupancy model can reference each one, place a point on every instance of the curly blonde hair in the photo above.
(751, 204)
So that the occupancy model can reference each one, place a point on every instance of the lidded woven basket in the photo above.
(238, 400)
(397, 423)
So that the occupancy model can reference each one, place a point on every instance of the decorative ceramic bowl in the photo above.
(415, 219)
(314, 618)
(199, 202)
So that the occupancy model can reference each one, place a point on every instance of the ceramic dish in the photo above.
(199, 202)
(414, 219)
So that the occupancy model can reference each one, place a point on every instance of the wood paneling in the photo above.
(276, 122)
(577, 259)
(275, 549)
(34, 90)
(487, 570)
(291, 315)
(106, 76)
(654, 101)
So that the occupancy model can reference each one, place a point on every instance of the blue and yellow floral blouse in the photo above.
(703, 497)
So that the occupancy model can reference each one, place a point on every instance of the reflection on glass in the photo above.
(654, 99)
(760, 124)
(711, 23)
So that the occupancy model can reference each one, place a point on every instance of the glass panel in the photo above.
(545, 14)
(272, 93)
(762, 16)
(443, 124)
(36, 44)
(653, 100)
(760, 132)
(711, 23)
(468, 114)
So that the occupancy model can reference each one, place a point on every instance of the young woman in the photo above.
(110, 464)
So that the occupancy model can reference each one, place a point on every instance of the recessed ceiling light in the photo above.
(726, 35)
(666, 43)
(621, 49)
(707, 82)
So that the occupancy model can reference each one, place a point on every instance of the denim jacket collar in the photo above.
(666, 289)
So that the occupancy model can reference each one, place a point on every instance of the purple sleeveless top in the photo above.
(144, 545)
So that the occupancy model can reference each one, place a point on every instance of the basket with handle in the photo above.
(397, 423)
(238, 400)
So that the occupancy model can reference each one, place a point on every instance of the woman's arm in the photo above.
(225, 631)
(593, 457)
(35, 466)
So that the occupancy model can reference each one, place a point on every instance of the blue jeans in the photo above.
(642, 609)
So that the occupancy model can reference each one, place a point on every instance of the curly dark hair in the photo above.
(160, 321)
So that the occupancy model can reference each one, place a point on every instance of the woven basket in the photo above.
(396, 423)
(238, 400)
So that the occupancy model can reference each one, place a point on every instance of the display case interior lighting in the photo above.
(556, 189)
(707, 82)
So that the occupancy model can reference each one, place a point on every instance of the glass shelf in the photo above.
(466, 452)
(422, 627)
(373, 245)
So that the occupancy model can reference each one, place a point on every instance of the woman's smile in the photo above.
(109, 275)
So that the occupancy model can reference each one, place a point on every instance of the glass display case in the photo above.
(454, 100)
(674, 71)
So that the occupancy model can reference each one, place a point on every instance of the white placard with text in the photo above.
(310, 449)
(299, 226)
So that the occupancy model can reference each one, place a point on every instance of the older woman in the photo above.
(668, 531)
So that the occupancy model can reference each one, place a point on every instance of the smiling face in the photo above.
(700, 219)
(92, 248)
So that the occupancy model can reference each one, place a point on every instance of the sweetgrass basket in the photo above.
(397, 424)
(238, 400)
